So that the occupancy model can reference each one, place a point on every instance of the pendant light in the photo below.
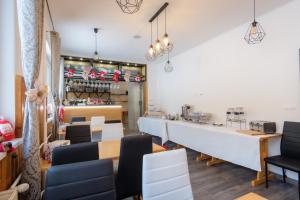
(130, 6)
(167, 45)
(168, 66)
(158, 47)
(255, 33)
(150, 56)
(96, 54)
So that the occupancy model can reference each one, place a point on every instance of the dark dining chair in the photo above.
(78, 133)
(78, 119)
(75, 153)
(129, 176)
(290, 152)
(90, 180)
(112, 121)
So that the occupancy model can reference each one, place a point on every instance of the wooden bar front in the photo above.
(110, 112)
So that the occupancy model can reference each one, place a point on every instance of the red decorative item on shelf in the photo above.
(137, 78)
(70, 73)
(101, 75)
(6, 130)
(116, 75)
(93, 74)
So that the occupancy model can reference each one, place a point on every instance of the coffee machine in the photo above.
(186, 109)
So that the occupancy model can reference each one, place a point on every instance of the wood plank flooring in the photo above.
(227, 181)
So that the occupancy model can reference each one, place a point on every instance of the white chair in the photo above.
(113, 131)
(97, 124)
(166, 176)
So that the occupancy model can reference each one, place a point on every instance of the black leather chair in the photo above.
(75, 153)
(78, 133)
(290, 152)
(112, 121)
(78, 119)
(129, 177)
(91, 180)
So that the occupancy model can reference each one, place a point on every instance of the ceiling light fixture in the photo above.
(168, 66)
(151, 54)
(158, 49)
(130, 6)
(167, 45)
(255, 33)
(96, 54)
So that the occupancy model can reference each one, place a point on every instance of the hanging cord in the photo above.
(254, 12)
(151, 34)
(50, 15)
(96, 41)
(157, 27)
(166, 21)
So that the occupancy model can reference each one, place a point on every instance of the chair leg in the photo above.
(283, 175)
(266, 174)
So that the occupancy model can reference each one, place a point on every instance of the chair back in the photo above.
(290, 142)
(75, 153)
(97, 121)
(112, 131)
(112, 121)
(166, 176)
(77, 119)
(129, 177)
(78, 133)
(91, 180)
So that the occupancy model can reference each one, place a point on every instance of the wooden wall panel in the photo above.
(20, 90)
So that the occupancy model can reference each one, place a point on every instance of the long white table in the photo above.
(219, 142)
(154, 126)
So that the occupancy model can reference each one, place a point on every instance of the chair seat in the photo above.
(287, 163)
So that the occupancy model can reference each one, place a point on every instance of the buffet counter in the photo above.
(110, 112)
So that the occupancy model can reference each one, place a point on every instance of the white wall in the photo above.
(226, 72)
(7, 58)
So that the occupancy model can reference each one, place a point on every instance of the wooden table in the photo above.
(111, 149)
(107, 150)
(251, 196)
(263, 143)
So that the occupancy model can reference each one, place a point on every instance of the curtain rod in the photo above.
(158, 12)
(50, 15)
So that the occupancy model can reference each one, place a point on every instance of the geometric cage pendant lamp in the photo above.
(255, 33)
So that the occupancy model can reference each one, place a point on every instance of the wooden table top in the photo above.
(111, 149)
(107, 150)
(261, 135)
(251, 196)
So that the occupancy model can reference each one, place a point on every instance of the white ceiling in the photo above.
(190, 22)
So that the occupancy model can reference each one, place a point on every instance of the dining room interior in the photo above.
(149, 99)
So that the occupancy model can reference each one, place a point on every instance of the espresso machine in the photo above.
(186, 109)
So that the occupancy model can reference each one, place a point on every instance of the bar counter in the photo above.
(110, 112)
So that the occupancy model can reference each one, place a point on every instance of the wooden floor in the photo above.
(228, 181)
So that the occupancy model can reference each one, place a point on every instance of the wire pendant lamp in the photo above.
(96, 54)
(150, 55)
(130, 6)
(168, 66)
(167, 45)
(255, 33)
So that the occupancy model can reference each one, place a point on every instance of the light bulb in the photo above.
(168, 66)
(253, 30)
(151, 50)
(166, 40)
(157, 46)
